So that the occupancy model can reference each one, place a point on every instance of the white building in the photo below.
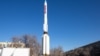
(15, 52)
(12, 44)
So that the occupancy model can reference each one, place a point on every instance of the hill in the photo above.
(92, 49)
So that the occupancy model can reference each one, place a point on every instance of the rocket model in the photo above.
(45, 40)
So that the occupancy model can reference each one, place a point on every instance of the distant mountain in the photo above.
(92, 49)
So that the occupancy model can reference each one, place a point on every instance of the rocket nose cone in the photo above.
(45, 2)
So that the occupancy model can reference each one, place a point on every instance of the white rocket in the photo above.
(45, 43)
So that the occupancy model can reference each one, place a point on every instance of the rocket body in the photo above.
(45, 26)
(45, 39)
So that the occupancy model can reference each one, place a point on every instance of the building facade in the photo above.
(12, 45)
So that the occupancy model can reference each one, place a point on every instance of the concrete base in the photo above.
(46, 55)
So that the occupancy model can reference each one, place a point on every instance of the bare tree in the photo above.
(32, 43)
(16, 39)
(16, 42)
(57, 51)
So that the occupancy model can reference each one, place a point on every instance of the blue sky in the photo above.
(72, 23)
